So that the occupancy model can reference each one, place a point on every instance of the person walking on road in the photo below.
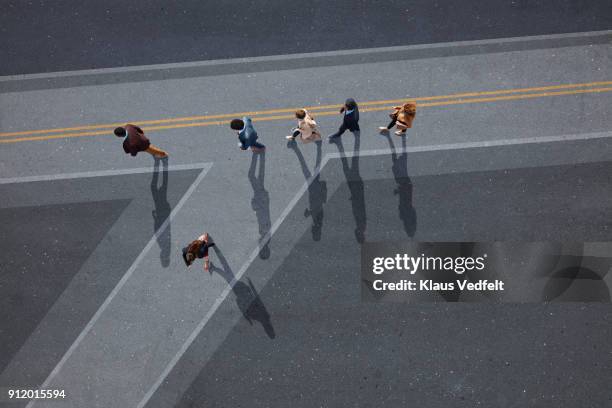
(350, 120)
(135, 141)
(198, 248)
(402, 118)
(247, 135)
(306, 129)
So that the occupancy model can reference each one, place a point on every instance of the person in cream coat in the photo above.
(306, 129)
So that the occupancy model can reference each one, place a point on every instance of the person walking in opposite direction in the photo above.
(135, 141)
(350, 120)
(247, 135)
(198, 249)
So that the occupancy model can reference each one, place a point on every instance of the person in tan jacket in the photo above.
(307, 128)
(402, 118)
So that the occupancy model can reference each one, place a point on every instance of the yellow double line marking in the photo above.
(321, 110)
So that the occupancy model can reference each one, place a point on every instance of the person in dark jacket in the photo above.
(135, 141)
(247, 135)
(198, 248)
(350, 120)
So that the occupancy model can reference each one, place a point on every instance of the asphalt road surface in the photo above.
(62, 255)
(329, 349)
(69, 35)
(511, 142)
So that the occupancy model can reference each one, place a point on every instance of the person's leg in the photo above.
(205, 237)
(206, 262)
(257, 147)
(156, 151)
(385, 129)
(343, 128)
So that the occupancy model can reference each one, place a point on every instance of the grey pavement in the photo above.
(72, 35)
(150, 319)
(116, 75)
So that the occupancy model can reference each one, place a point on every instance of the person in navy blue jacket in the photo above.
(350, 120)
(247, 135)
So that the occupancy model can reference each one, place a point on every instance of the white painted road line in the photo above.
(100, 173)
(205, 168)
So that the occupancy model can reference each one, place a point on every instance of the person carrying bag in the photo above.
(307, 128)
(402, 118)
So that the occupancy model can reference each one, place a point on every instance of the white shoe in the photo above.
(290, 137)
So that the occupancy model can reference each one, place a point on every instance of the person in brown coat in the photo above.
(306, 129)
(198, 248)
(402, 118)
(135, 141)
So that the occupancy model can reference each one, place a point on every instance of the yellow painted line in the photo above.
(328, 113)
(483, 93)
(365, 105)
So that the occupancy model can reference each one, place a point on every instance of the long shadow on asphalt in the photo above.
(247, 298)
(406, 210)
(355, 185)
(261, 201)
(161, 211)
(317, 190)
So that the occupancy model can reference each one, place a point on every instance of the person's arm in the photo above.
(241, 143)
(250, 134)
(248, 123)
(343, 108)
(302, 125)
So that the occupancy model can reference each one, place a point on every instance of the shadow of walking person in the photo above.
(317, 190)
(355, 185)
(161, 211)
(403, 190)
(260, 203)
(247, 298)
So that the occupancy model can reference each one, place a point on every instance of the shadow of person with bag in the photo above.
(407, 213)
